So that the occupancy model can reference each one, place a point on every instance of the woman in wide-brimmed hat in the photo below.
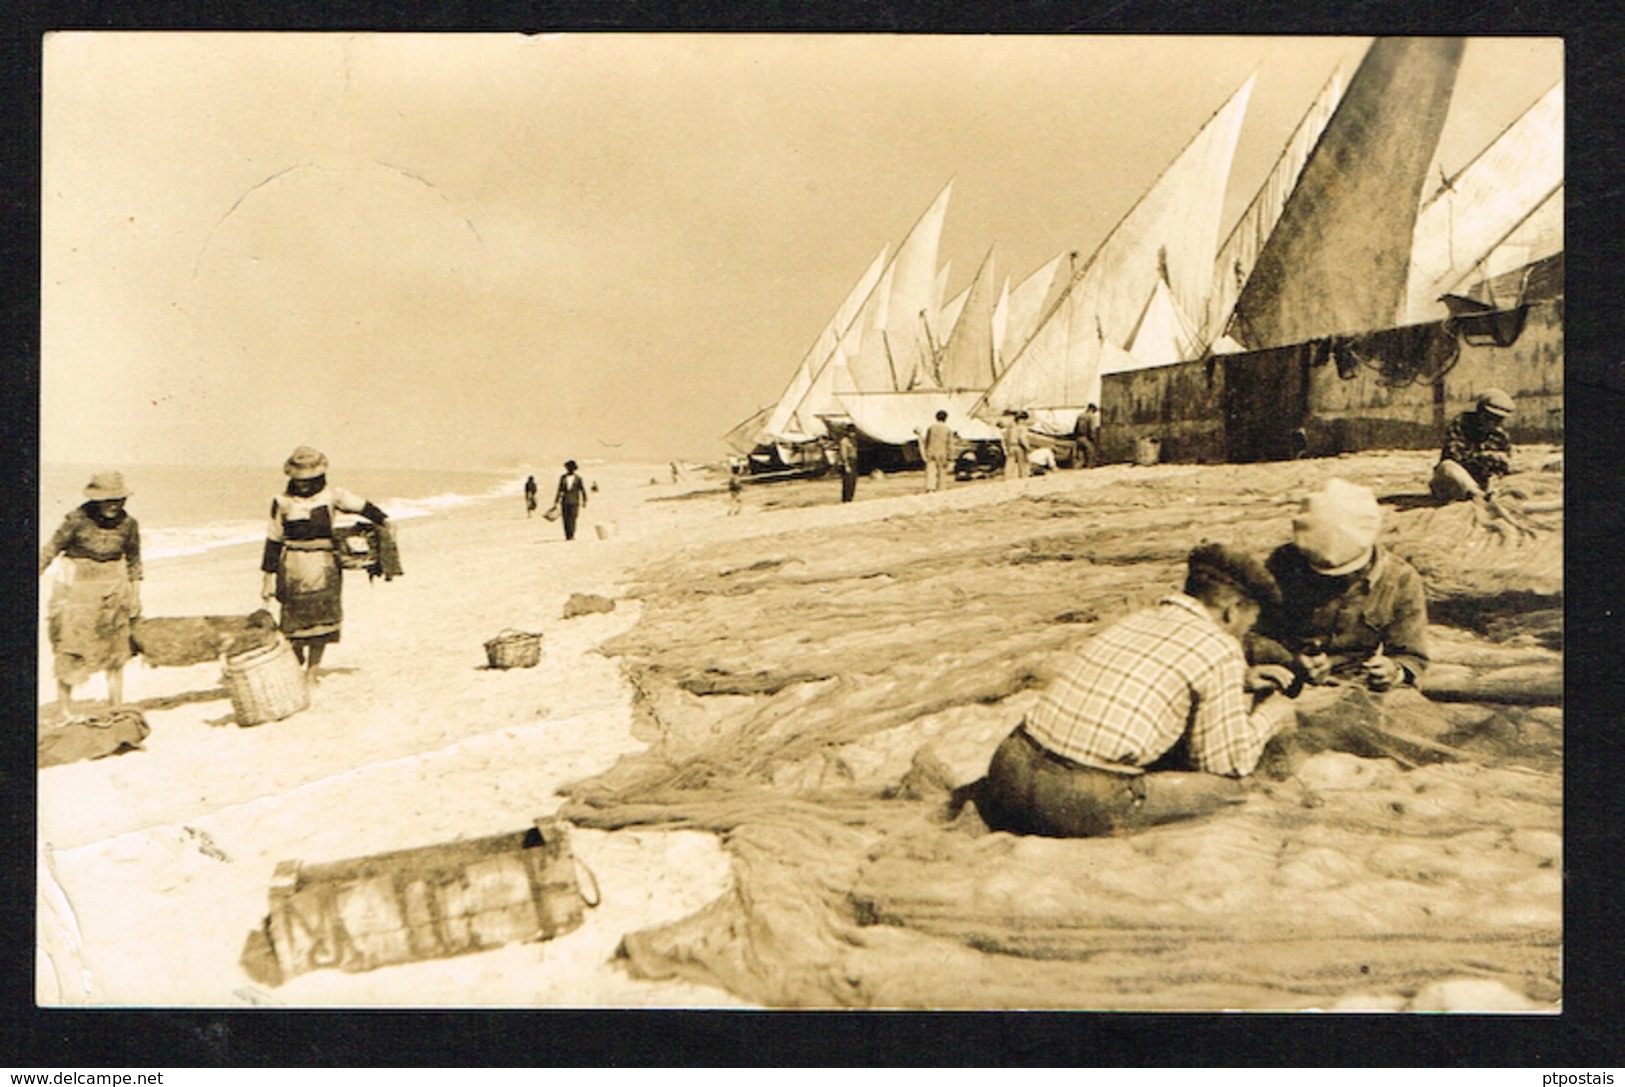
(301, 568)
(97, 591)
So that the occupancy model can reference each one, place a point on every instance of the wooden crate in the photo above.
(432, 902)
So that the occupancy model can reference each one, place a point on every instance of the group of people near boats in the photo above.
(941, 449)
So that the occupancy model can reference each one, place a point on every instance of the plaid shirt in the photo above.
(1146, 681)
(1481, 447)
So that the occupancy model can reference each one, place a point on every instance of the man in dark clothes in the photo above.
(847, 458)
(1087, 436)
(570, 499)
(1476, 450)
(1158, 693)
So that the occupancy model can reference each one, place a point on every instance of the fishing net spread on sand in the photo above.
(822, 700)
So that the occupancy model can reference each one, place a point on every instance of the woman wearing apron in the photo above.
(96, 594)
(301, 566)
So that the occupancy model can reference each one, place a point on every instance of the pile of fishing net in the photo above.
(826, 702)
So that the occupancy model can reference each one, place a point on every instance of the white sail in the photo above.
(1475, 210)
(821, 401)
(901, 346)
(949, 316)
(1171, 233)
(747, 435)
(1164, 334)
(967, 358)
(940, 324)
(1537, 237)
(1021, 313)
(781, 423)
(1240, 250)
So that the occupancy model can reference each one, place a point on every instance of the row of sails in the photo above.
(1336, 239)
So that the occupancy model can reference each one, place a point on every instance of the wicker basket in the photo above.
(514, 649)
(266, 684)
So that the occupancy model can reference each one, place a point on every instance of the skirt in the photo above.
(309, 586)
(88, 618)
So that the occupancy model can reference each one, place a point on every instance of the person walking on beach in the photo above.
(530, 495)
(736, 491)
(937, 447)
(1348, 608)
(97, 592)
(846, 455)
(300, 567)
(1476, 450)
(570, 498)
(1102, 752)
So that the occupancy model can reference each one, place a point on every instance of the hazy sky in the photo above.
(484, 250)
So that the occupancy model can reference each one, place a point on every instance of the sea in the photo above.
(189, 510)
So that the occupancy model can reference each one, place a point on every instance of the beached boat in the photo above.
(784, 423)
(803, 412)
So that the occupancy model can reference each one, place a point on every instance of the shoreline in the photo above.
(408, 741)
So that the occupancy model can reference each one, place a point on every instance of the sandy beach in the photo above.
(409, 741)
(163, 856)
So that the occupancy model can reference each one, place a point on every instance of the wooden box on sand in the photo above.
(427, 903)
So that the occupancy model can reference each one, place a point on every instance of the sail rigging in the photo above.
(1338, 259)
(1474, 211)
(1240, 250)
(1170, 233)
(967, 357)
(783, 422)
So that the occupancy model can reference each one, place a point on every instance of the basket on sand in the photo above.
(514, 649)
(266, 683)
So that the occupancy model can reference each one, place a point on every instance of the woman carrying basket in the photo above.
(301, 564)
(97, 592)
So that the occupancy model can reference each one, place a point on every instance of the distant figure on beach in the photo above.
(570, 498)
(1086, 436)
(937, 448)
(1110, 745)
(1476, 450)
(846, 455)
(530, 495)
(1017, 444)
(97, 591)
(736, 491)
(1348, 608)
(676, 474)
(301, 567)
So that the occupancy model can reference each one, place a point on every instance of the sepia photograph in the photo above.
(801, 521)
